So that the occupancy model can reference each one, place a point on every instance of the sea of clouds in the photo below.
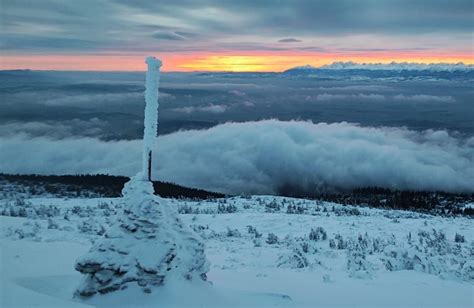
(264, 157)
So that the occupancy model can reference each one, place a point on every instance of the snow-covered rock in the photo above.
(147, 244)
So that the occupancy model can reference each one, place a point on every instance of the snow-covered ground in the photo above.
(264, 251)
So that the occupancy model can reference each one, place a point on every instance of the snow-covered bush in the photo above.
(431, 253)
(458, 238)
(338, 242)
(82, 211)
(271, 239)
(28, 230)
(293, 209)
(254, 231)
(357, 264)
(318, 234)
(272, 207)
(44, 211)
(186, 209)
(91, 226)
(295, 258)
(347, 211)
(233, 232)
(225, 209)
(302, 253)
(52, 224)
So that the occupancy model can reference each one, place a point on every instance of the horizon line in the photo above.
(250, 71)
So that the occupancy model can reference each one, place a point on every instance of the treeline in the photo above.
(96, 185)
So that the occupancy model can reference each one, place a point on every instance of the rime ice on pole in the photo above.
(151, 113)
(148, 243)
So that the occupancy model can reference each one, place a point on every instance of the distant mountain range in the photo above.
(393, 66)
(390, 71)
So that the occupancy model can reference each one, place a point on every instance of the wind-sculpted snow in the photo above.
(265, 157)
(147, 244)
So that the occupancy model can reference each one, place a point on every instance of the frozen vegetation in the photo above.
(146, 244)
(263, 251)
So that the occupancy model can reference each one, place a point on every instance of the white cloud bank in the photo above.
(417, 98)
(262, 157)
(211, 108)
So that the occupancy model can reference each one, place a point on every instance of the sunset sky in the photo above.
(203, 35)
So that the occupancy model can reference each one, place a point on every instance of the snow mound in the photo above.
(147, 244)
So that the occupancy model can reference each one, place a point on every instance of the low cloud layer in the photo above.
(212, 108)
(418, 98)
(265, 157)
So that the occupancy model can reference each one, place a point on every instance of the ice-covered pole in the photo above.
(151, 113)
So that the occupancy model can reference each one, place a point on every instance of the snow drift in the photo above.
(265, 157)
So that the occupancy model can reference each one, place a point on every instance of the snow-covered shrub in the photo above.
(82, 211)
(44, 211)
(272, 239)
(199, 228)
(301, 253)
(257, 241)
(186, 209)
(357, 264)
(251, 229)
(20, 208)
(224, 209)
(292, 209)
(272, 207)
(233, 232)
(430, 253)
(91, 226)
(458, 238)
(467, 270)
(295, 258)
(103, 205)
(26, 230)
(106, 208)
(318, 234)
(20, 202)
(344, 211)
(52, 224)
(338, 242)
(433, 243)
(146, 244)
(257, 237)
(254, 231)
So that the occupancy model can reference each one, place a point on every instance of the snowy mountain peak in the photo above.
(392, 66)
(398, 66)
